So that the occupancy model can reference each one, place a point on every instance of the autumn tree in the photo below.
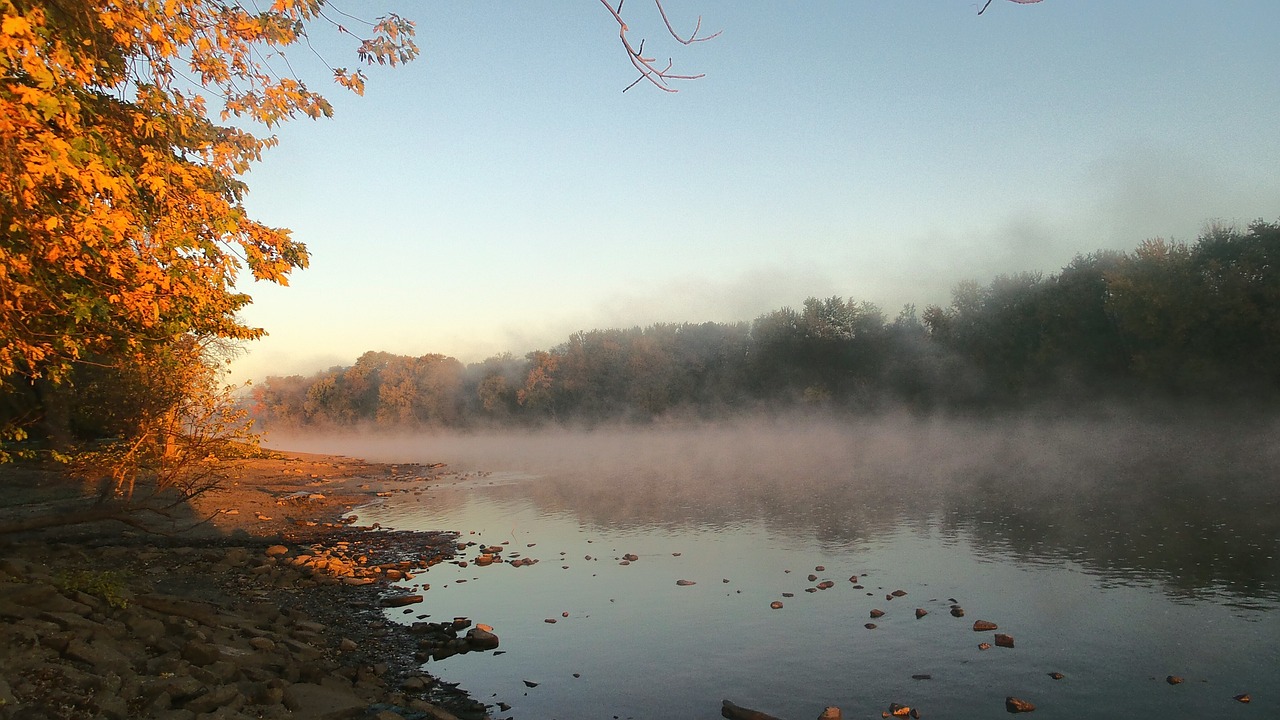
(122, 225)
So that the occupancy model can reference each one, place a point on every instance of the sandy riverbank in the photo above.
(272, 608)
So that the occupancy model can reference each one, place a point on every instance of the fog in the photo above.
(1190, 499)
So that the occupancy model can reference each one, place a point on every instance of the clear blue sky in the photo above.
(501, 192)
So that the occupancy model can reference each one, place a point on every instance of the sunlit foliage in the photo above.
(125, 129)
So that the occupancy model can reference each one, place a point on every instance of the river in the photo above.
(1115, 553)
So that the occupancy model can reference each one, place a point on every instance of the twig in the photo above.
(658, 77)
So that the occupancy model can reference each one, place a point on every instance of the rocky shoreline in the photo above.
(286, 622)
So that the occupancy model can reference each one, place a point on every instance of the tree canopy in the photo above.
(1165, 321)
(125, 130)
(121, 216)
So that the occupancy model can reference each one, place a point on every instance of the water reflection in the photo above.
(1116, 554)
(1194, 507)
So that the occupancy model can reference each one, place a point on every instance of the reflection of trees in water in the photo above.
(1195, 509)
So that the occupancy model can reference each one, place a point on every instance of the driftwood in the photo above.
(737, 712)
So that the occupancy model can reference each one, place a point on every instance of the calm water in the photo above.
(1115, 554)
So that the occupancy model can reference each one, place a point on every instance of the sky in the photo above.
(501, 192)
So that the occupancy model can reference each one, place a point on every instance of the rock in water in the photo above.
(400, 600)
(1004, 640)
(984, 625)
(875, 613)
(1173, 680)
(685, 583)
(831, 713)
(1017, 705)
(736, 712)
(921, 612)
(1242, 697)
(478, 639)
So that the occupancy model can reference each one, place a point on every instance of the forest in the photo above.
(1166, 321)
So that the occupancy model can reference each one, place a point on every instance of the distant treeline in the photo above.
(1166, 320)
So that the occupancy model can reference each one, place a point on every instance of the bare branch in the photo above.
(658, 77)
(1020, 2)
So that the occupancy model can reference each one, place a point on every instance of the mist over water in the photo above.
(1120, 517)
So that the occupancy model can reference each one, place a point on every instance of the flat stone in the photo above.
(100, 655)
(984, 626)
(400, 600)
(308, 701)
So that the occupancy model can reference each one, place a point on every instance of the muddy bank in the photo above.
(270, 609)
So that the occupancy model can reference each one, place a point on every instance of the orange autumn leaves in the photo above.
(121, 218)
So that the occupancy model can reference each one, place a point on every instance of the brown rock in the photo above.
(1003, 640)
(984, 646)
(200, 653)
(776, 604)
(831, 713)
(1242, 698)
(1056, 675)
(320, 702)
(100, 655)
(685, 583)
(898, 593)
(876, 612)
(1173, 680)
(957, 611)
(222, 696)
(984, 626)
(921, 612)
(479, 639)
(870, 626)
(1017, 705)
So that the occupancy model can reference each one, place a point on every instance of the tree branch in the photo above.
(659, 77)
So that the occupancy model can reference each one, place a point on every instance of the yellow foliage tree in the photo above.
(122, 228)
